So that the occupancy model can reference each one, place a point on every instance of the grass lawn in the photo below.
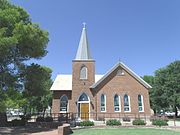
(125, 131)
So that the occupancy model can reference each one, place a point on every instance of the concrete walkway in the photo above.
(171, 123)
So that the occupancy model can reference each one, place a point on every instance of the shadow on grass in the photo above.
(22, 130)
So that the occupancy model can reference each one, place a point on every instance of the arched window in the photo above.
(140, 103)
(116, 103)
(63, 103)
(103, 103)
(126, 103)
(83, 97)
(83, 72)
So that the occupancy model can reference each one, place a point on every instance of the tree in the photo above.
(167, 86)
(20, 41)
(37, 84)
(150, 80)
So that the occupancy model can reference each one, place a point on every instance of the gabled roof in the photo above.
(83, 52)
(64, 82)
(125, 68)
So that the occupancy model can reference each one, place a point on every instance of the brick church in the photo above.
(118, 92)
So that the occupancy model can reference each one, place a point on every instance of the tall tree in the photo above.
(150, 80)
(167, 86)
(20, 41)
(37, 84)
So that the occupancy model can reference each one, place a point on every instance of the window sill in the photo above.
(117, 111)
(103, 111)
(63, 112)
(141, 111)
(127, 111)
(83, 79)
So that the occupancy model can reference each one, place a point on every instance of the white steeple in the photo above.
(83, 52)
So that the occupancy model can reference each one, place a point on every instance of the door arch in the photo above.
(83, 106)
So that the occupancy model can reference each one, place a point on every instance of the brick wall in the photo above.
(113, 84)
(80, 86)
(121, 85)
(56, 99)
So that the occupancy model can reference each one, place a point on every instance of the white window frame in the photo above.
(67, 104)
(85, 73)
(129, 103)
(119, 103)
(104, 103)
(142, 103)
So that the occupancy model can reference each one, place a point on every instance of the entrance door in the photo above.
(84, 111)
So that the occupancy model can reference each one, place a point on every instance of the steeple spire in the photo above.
(83, 52)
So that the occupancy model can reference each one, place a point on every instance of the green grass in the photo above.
(125, 131)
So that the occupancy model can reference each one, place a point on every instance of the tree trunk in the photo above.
(3, 119)
(176, 111)
(44, 110)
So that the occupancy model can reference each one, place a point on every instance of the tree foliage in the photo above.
(165, 93)
(167, 86)
(37, 85)
(20, 40)
(151, 81)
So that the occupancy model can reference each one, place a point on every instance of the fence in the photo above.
(67, 117)
(75, 117)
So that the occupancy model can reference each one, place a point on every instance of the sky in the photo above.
(143, 34)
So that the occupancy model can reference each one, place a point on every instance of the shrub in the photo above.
(86, 123)
(48, 119)
(138, 122)
(25, 117)
(160, 122)
(17, 122)
(40, 119)
(113, 122)
(62, 118)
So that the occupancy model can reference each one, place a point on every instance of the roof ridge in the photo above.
(128, 70)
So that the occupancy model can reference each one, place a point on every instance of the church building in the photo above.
(119, 92)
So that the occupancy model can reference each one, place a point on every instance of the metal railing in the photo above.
(68, 117)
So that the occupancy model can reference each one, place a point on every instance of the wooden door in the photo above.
(85, 111)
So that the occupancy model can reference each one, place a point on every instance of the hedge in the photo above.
(160, 122)
(86, 123)
(113, 122)
(17, 122)
(138, 122)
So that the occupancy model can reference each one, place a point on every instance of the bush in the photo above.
(113, 122)
(40, 119)
(17, 122)
(48, 119)
(25, 117)
(62, 118)
(160, 122)
(86, 123)
(138, 122)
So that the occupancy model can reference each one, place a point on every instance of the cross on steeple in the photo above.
(84, 25)
(83, 52)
